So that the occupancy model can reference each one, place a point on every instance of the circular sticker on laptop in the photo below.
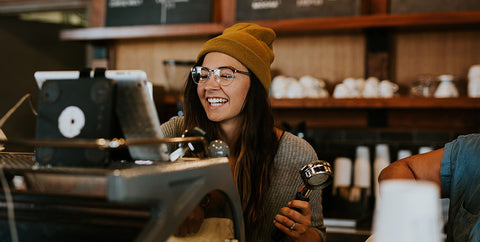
(71, 121)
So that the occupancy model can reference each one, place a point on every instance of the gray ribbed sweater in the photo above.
(292, 155)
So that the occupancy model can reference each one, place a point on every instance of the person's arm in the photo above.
(419, 167)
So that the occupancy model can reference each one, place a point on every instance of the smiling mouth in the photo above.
(216, 101)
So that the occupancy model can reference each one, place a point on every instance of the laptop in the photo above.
(132, 103)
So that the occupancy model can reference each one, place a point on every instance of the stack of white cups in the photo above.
(362, 172)
(343, 173)
(382, 160)
(403, 154)
(424, 149)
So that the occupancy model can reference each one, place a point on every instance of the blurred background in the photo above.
(408, 43)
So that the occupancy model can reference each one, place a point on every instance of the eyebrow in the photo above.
(224, 67)
(232, 67)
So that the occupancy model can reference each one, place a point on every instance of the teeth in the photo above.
(216, 101)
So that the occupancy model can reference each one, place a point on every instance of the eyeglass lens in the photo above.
(223, 76)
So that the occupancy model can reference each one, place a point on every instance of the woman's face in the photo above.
(223, 103)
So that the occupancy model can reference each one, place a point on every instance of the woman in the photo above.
(226, 95)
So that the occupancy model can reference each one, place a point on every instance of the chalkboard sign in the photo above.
(288, 9)
(152, 12)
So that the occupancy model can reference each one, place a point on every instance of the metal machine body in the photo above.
(145, 202)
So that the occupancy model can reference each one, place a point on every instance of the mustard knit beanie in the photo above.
(250, 44)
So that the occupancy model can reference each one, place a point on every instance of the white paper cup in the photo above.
(362, 173)
(403, 154)
(382, 152)
(424, 149)
(408, 211)
(343, 172)
(382, 160)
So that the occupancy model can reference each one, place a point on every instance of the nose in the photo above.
(212, 76)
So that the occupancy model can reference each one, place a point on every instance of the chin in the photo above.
(215, 119)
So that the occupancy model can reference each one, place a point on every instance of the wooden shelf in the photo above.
(290, 25)
(376, 103)
(353, 103)
(370, 21)
(144, 31)
(400, 113)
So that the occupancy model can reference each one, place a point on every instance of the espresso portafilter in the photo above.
(316, 175)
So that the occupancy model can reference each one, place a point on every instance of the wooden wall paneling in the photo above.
(148, 55)
(111, 56)
(435, 119)
(435, 52)
(378, 53)
(332, 57)
(224, 12)
(97, 13)
(322, 118)
(94, 60)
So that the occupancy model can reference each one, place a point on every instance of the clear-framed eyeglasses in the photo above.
(223, 75)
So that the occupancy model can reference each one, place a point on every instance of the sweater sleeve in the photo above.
(172, 128)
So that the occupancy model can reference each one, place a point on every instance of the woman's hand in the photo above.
(295, 221)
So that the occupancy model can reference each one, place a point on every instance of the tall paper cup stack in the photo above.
(362, 168)
(408, 211)
(403, 154)
(382, 160)
(424, 149)
(343, 173)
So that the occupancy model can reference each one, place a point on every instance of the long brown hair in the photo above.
(254, 151)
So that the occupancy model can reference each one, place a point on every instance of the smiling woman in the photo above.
(227, 96)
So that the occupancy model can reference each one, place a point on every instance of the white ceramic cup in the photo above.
(474, 81)
(408, 211)
(446, 88)
(352, 88)
(387, 89)
(370, 89)
(279, 87)
(474, 71)
(340, 91)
